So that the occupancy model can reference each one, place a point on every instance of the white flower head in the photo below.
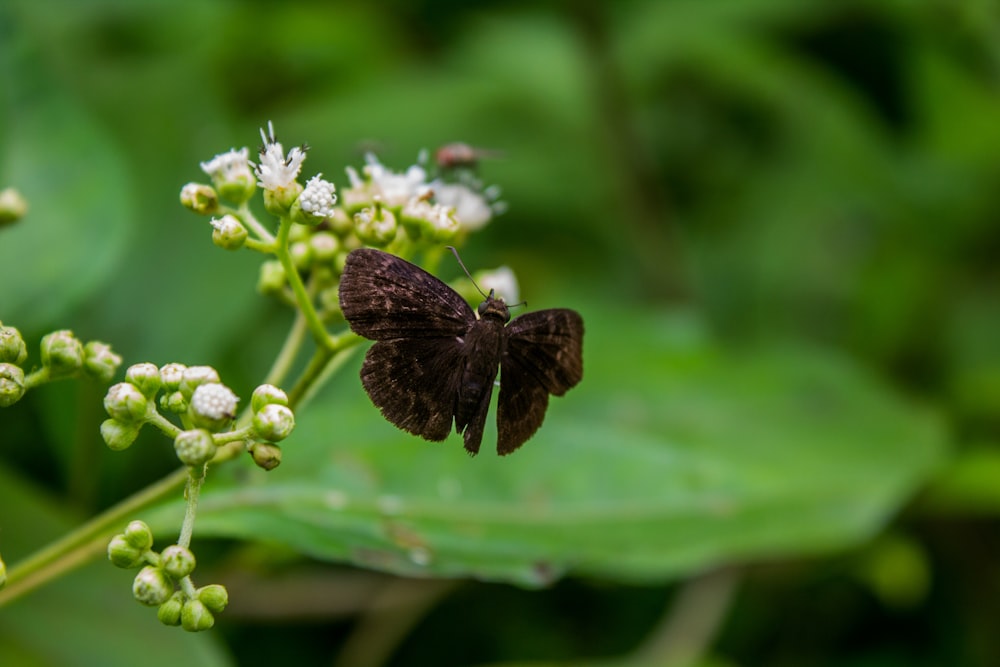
(319, 197)
(275, 170)
(472, 208)
(395, 188)
(228, 167)
(214, 401)
(503, 281)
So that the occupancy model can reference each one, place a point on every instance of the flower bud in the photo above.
(145, 377)
(177, 561)
(169, 612)
(274, 422)
(62, 353)
(139, 535)
(152, 586)
(340, 222)
(301, 253)
(172, 375)
(119, 435)
(194, 376)
(174, 402)
(375, 226)
(278, 201)
(195, 447)
(200, 198)
(272, 277)
(99, 361)
(228, 232)
(316, 202)
(213, 406)
(11, 384)
(214, 596)
(124, 555)
(324, 246)
(12, 347)
(266, 455)
(231, 175)
(196, 617)
(13, 206)
(267, 394)
(126, 403)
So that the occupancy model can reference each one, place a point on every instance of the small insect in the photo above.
(455, 155)
(434, 361)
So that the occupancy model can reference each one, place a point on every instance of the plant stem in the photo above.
(302, 297)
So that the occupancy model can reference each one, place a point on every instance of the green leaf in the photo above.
(671, 456)
(87, 617)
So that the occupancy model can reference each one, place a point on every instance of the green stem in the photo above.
(85, 542)
(289, 351)
(302, 298)
(196, 476)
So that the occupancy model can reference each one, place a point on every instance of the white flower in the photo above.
(319, 197)
(503, 281)
(276, 170)
(472, 208)
(395, 188)
(214, 401)
(228, 167)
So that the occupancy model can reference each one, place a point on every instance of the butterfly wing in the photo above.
(385, 297)
(414, 382)
(543, 355)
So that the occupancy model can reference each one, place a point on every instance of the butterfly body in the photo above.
(435, 362)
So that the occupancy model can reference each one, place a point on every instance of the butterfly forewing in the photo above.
(383, 297)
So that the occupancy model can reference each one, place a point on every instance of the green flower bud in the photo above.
(200, 198)
(174, 402)
(324, 246)
(126, 403)
(228, 232)
(11, 384)
(278, 201)
(266, 455)
(340, 222)
(266, 394)
(177, 561)
(99, 361)
(152, 586)
(215, 597)
(196, 617)
(274, 422)
(316, 202)
(272, 277)
(375, 226)
(213, 406)
(145, 377)
(62, 353)
(172, 375)
(302, 255)
(124, 555)
(119, 435)
(12, 347)
(13, 206)
(139, 535)
(169, 612)
(195, 376)
(195, 447)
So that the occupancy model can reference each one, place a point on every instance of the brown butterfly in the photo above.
(434, 361)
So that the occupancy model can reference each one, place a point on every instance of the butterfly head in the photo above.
(494, 308)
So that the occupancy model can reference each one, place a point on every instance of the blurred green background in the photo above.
(777, 217)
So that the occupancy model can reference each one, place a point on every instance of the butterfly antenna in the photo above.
(461, 264)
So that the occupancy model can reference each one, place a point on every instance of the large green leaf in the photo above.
(671, 456)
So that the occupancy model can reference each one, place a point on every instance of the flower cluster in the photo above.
(164, 580)
(205, 406)
(63, 355)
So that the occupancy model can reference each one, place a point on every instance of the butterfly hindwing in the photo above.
(385, 297)
(414, 382)
(543, 355)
